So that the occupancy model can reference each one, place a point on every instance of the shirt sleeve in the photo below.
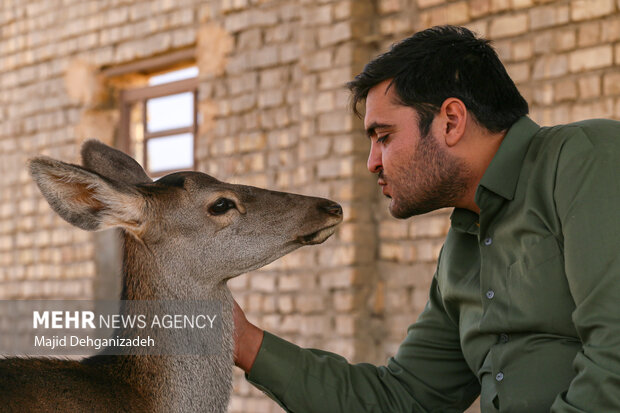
(587, 195)
(428, 373)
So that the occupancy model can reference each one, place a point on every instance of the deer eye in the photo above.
(220, 206)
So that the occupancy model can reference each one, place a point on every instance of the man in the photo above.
(524, 307)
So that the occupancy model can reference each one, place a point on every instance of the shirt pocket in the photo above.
(540, 299)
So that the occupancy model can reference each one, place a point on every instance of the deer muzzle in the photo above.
(331, 216)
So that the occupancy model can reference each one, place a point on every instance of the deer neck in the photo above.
(181, 382)
(149, 275)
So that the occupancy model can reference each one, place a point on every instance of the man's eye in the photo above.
(220, 206)
(383, 138)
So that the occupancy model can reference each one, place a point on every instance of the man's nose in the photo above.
(374, 159)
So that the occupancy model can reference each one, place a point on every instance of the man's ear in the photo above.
(86, 199)
(454, 113)
(112, 163)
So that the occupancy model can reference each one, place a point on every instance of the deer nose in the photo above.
(332, 208)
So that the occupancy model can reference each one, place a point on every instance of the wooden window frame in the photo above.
(130, 97)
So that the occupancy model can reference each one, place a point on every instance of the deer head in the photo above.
(188, 230)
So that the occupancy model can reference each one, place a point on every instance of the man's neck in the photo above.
(482, 147)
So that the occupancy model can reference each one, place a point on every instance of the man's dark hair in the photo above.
(443, 62)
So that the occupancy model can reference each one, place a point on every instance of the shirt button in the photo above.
(490, 294)
(488, 241)
(503, 338)
(499, 376)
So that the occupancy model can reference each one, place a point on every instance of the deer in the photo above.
(184, 236)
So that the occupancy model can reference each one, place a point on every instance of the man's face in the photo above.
(416, 172)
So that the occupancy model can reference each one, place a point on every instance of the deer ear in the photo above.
(86, 199)
(112, 163)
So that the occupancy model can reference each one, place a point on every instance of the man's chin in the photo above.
(398, 211)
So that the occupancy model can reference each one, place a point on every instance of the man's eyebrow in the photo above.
(371, 129)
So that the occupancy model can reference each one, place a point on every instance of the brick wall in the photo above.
(273, 114)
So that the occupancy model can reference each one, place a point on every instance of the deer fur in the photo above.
(178, 245)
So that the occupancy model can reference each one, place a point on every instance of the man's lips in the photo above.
(383, 184)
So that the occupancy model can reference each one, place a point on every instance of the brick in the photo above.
(589, 34)
(344, 300)
(394, 25)
(318, 60)
(264, 57)
(565, 39)
(317, 16)
(512, 25)
(550, 66)
(262, 282)
(344, 278)
(309, 303)
(289, 52)
(521, 4)
(589, 87)
(390, 6)
(335, 122)
(565, 90)
(544, 17)
(318, 148)
(228, 6)
(291, 282)
(478, 27)
(522, 50)
(544, 95)
(429, 226)
(252, 142)
(263, 17)
(270, 78)
(392, 230)
(336, 33)
(344, 10)
(588, 9)
(278, 34)
(598, 109)
(337, 256)
(428, 251)
(315, 325)
(500, 5)
(519, 72)
(270, 98)
(250, 39)
(543, 43)
(591, 58)
(397, 299)
(237, 22)
(429, 3)
(479, 8)
(271, 321)
(611, 84)
(610, 31)
(325, 102)
(345, 325)
(453, 13)
(285, 304)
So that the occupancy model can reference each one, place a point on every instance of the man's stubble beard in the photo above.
(431, 180)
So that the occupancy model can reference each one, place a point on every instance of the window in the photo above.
(159, 121)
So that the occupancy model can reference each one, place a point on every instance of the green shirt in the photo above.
(524, 307)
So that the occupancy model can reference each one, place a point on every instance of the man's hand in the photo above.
(248, 339)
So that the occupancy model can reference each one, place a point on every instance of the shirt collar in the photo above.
(464, 220)
(503, 172)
